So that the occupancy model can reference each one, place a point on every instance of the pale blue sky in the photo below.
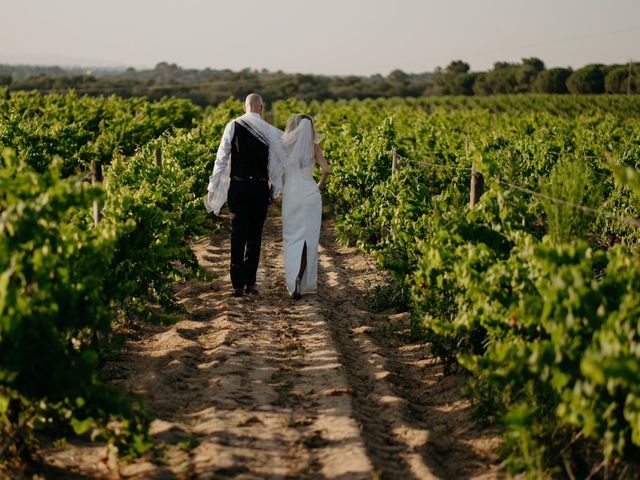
(329, 36)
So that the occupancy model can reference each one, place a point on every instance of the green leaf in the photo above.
(81, 427)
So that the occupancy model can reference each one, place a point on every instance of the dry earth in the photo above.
(264, 387)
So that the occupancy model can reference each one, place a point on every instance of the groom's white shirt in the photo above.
(219, 179)
(224, 153)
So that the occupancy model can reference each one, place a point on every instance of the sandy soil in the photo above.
(264, 387)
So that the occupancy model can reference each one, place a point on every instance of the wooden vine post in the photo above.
(96, 177)
(477, 180)
(158, 154)
(394, 161)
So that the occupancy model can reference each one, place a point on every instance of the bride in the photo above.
(301, 204)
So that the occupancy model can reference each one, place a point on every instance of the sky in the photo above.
(332, 37)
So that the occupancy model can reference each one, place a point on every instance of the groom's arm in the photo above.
(222, 157)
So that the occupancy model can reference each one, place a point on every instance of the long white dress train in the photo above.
(301, 218)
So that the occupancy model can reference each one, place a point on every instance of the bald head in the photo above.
(253, 103)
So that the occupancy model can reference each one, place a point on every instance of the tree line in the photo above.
(210, 87)
(531, 76)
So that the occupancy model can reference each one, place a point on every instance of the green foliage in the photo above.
(573, 181)
(623, 79)
(64, 281)
(393, 294)
(81, 129)
(553, 80)
(527, 292)
(157, 209)
(453, 80)
(589, 79)
(574, 372)
(54, 269)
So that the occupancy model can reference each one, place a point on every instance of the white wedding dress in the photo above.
(301, 209)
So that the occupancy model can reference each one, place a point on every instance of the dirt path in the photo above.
(263, 387)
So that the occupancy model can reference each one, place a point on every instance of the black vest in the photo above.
(249, 156)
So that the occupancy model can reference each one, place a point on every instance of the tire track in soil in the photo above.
(416, 424)
(262, 387)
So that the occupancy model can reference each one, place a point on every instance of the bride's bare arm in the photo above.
(324, 166)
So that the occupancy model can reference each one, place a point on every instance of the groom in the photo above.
(247, 174)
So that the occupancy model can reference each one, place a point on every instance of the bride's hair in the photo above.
(294, 121)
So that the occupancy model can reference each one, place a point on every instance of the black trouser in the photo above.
(248, 202)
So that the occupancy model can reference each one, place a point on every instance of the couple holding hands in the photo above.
(255, 163)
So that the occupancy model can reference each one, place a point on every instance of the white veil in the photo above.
(299, 144)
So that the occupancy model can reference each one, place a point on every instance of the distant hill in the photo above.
(21, 72)
(162, 72)
(210, 87)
